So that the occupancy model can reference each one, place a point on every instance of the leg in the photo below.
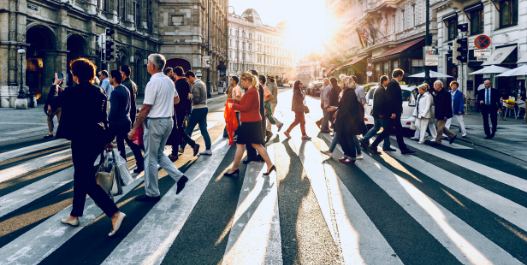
(139, 161)
(237, 157)
(440, 127)
(334, 142)
(278, 123)
(348, 146)
(295, 122)
(325, 121)
(263, 154)
(152, 139)
(447, 126)
(357, 144)
(384, 135)
(399, 133)
(494, 120)
(485, 115)
(302, 123)
(423, 125)
(386, 141)
(372, 131)
(192, 122)
(417, 124)
(50, 122)
(203, 128)
(432, 128)
(461, 123)
(165, 126)
(120, 143)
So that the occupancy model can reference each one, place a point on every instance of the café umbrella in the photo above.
(522, 70)
(432, 74)
(490, 70)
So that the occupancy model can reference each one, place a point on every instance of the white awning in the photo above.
(523, 59)
(499, 55)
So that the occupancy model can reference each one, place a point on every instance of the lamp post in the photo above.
(21, 93)
(208, 48)
(427, 39)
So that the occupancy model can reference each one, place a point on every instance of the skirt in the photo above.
(250, 133)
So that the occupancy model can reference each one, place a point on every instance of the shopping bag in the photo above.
(138, 136)
(122, 168)
(105, 173)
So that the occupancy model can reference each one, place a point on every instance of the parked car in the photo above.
(409, 94)
(313, 88)
(291, 82)
(368, 86)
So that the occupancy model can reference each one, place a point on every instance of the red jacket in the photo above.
(232, 122)
(249, 106)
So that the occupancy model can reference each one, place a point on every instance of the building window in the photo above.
(418, 66)
(149, 14)
(413, 16)
(508, 13)
(137, 12)
(403, 22)
(101, 4)
(121, 9)
(451, 28)
(177, 20)
(476, 22)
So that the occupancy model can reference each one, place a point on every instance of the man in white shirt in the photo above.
(157, 112)
(105, 84)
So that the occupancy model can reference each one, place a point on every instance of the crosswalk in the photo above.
(443, 205)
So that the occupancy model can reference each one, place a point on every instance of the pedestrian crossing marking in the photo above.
(31, 149)
(34, 164)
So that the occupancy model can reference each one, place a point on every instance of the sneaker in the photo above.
(421, 142)
(415, 138)
(359, 157)
(280, 127)
(327, 152)
(146, 198)
(48, 136)
(206, 152)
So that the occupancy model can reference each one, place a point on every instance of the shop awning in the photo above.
(399, 48)
(352, 62)
(523, 59)
(499, 55)
(328, 70)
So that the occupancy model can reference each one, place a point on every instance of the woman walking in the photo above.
(422, 111)
(298, 108)
(250, 131)
(84, 122)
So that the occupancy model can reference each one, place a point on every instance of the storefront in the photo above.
(506, 56)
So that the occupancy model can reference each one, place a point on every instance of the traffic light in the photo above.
(463, 27)
(109, 45)
(462, 50)
(117, 53)
(455, 52)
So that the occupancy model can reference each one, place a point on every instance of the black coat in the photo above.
(83, 113)
(350, 116)
(380, 102)
(494, 98)
(443, 105)
(334, 95)
(297, 104)
(54, 91)
(132, 87)
(394, 98)
(181, 110)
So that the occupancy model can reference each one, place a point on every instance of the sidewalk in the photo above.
(510, 138)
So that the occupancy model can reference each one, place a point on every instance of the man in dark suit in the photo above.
(394, 105)
(489, 101)
(379, 114)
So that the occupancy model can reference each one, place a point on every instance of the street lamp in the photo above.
(427, 39)
(21, 93)
(208, 49)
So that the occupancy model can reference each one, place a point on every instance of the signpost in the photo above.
(482, 42)
(205, 62)
(369, 68)
(431, 56)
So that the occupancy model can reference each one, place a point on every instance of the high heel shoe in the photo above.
(237, 172)
(270, 170)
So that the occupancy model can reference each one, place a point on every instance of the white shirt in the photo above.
(107, 87)
(160, 93)
(325, 95)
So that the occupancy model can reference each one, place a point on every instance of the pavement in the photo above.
(452, 204)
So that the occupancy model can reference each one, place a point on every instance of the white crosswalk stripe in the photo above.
(254, 235)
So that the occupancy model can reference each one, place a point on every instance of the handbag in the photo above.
(123, 176)
(306, 109)
(138, 136)
(107, 176)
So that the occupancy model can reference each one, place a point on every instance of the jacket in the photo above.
(424, 105)
(350, 117)
(231, 121)
(199, 94)
(380, 103)
(395, 100)
(297, 105)
(83, 113)
(334, 96)
(120, 106)
(248, 106)
(458, 103)
(132, 88)
(494, 98)
(185, 104)
(274, 91)
(443, 105)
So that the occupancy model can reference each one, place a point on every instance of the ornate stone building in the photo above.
(56, 32)
(241, 44)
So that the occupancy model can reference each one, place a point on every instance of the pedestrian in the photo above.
(250, 131)
(198, 115)
(105, 84)
(489, 101)
(119, 119)
(323, 123)
(299, 109)
(458, 104)
(273, 88)
(268, 97)
(168, 71)
(395, 107)
(181, 111)
(334, 96)
(132, 87)
(443, 111)
(157, 111)
(380, 115)
(51, 109)
(252, 154)
(359, 90)
(84, 123)
(422, 111)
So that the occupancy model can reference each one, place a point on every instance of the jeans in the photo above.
(156, 135)
(325, 120)
(334, 142)
(121, 131)
(84, 153)
(377, 124)
(199, 117)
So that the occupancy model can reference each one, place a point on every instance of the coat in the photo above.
(425, 104)
(395, 100)
(458, 103)
(83, 113)
(350, 116)
(380, 105)
(494, 98)
(443, 105)
(297, 104)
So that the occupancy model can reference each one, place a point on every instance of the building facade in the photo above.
(53, 33)
(192, 29)
(254, 45)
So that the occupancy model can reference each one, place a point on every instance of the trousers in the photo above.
(398, 129)
(121, 132)
(155, 137)
(50, 115)
(377, 124)
(198, 117)
(421, 124)
(441, 128)
(487, 111)
(460, 121)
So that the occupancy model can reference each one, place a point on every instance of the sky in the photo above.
(306, 19)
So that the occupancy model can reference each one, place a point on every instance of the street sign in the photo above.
(101, 40)
(369, 61)
(369, 68)
(482, 53)
(369, 73)
(431, 56)
(481, 59)
(205, 62)
(482, 42)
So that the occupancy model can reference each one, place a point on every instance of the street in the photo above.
(463, 203)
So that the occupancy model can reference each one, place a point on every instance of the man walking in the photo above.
(443, 112)
(119, 119)
(198, 116)
(359, 91)
(273, 88)
(157, 111)
(324, 104)
(105, 85)
(380, 115)
(132, 87)
(457, 108)
(489, 101)
(394, 106)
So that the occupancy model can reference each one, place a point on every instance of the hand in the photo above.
(189, 96)
(393, 116)
(108, 147)
(131, 134)
(381, 116)
(446, 118)
(459, 113)
(49, 108)
(499, 110)
(482, 102)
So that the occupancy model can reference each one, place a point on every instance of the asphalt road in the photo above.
(443, 205)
